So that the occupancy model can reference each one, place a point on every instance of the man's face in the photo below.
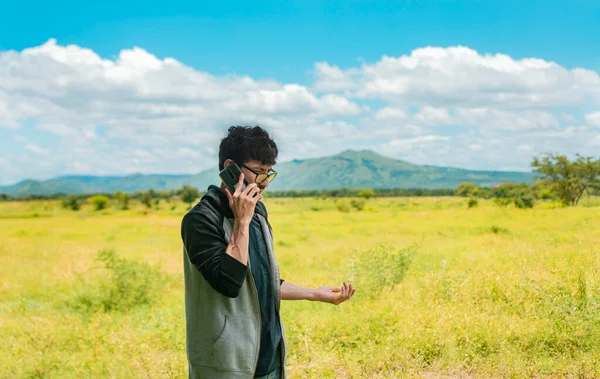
(258, 168)
(255, 168)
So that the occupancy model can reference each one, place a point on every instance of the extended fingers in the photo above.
(347, 290)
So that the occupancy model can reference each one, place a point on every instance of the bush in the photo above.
(524, 200)
(128, 284)
(189, 194)
(545, 194)
(465, 189)
(502, 201)
(473, 202)
(99, 201)
(358, 204)
(366, 193)
(384, 267)
(498, 229)
(71, 202)
(508, 190)
(342, 206)
(123, 198)
(483, 192)
(147, 199)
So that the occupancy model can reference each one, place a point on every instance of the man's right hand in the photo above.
(243, 201)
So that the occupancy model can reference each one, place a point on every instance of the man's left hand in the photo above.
(335, 295)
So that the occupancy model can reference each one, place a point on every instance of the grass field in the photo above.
(443, 291)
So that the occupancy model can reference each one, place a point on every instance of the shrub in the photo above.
(71, 202)
(473, 202)
(342, 206)
(147, 199)
(384, 267)
(359, 204)
(99, 201)
(128, 284)
(366, 193)
(502, 201)
(498, 229)
(189, 194)
(524, 200)
(465, 189)
(123, 198)
(508, 190)
(545, 194)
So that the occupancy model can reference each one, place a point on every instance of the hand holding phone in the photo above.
(243, 201)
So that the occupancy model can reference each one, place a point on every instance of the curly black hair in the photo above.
(245, 143)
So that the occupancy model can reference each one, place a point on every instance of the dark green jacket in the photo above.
(221, 302)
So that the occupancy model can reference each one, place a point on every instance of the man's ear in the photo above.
(227, 163)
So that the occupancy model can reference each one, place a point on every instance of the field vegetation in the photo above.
(463, 286)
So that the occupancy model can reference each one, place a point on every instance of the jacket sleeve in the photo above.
(205, 246)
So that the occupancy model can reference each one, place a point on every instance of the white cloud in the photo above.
(36, 149)
(460, 76)
(505, 120)
(145, 104)
(332, 78)
(406, 145)
(391, 113)
(141, 113)
(593, 119)
(433, 116)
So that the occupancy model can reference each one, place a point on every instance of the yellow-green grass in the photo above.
(489, 291)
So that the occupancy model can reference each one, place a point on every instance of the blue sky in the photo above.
(282, 43)
(283, 39)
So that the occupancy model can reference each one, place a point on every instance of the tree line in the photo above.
(559, 179)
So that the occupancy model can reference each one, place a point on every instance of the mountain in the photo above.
(349, 169)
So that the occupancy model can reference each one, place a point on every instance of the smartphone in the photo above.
(231, 176)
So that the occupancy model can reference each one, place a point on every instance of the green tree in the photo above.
(123, 199)
(71, 202)
(524, 199)
(465, 189)
(570, 179)
(508, 190)
(542, 189)
(189, 194)
(366, 193)
(99, 201)
(483, 192)
(147, 199)
(359, 204)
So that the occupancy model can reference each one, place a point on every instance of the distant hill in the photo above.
(349, 169)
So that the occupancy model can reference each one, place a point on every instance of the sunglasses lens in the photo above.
(261, 178)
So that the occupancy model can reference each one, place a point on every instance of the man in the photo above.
(232, 284)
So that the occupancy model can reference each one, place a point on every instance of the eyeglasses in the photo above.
(261, 177)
